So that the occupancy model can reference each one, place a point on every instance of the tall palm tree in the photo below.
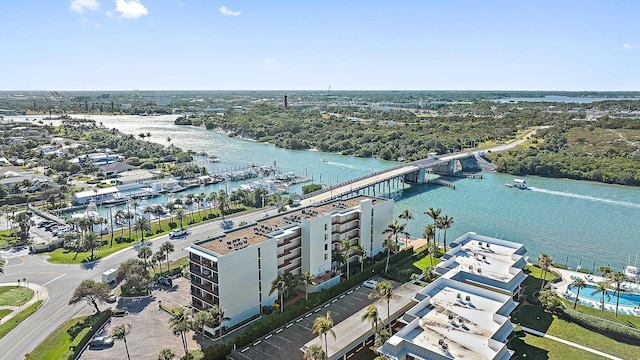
(578, 283)
(157, 211)
(618, 278)
(371, 315)
(200, 202)
(145, 253)
(279, 284)
(2, 262)
(362, 252)
(384, 290)
(179, 215)
(314, 352)
(120, 215)
(211, 201)
(429, 233)
(143, 225)
(129, 216)
(434, 214)
(406, 215)
(120, 333)
(179, 324)
(601, 287)
(92, 241)
(544, 262)
(167, 248)
(323, 325)
(394, 230)
(189, 202)
(223, 201)
(217, 314)
(389, 245)
(171, 207)
(345, 248)
(157, 258)
(445, 223)
(307, 279)
(201, 319)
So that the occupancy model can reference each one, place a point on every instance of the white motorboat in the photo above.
(517, 184)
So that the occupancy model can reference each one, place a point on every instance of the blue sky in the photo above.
(311, 45)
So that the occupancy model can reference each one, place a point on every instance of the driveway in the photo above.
(150, 331)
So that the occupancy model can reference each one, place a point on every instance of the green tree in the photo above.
(157, 258)
(143, 225)
(434, 214)
(601, 288)
(346, 248)
(578, 283)
(362, 252)
(167, 248)
(136, 277)
(24, 223)
(218, 316)
(429, 233)
(2, 263)
(323, 325)
(179, 324)
(444, 223)
(551, 302)
(145, 253)
(618, 278)
(166, 354)
(120, 333)
(179, 213)
(384, 290)
(201, 319)
(371, 316)
(92, 292)
(307, 280)
(92, 242)
(279, 284)
(544, 263)
(406, 215)
(314, 352)
(389, 245)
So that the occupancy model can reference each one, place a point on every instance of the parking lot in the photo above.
(285, 343)
(150, 330)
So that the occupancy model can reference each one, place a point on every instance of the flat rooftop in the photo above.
(462, 316)
(486, 257)
(267, 228)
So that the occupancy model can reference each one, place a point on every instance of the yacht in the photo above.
(517, 183)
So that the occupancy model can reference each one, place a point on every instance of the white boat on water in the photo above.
(631, 272)
(517, 184)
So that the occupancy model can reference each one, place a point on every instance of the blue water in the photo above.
(626, 299)
(572, 221)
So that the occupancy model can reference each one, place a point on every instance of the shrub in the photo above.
(604, 327)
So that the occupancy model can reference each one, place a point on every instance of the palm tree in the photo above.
(578, 283)
(157, 257)
(429, 233)
(217, 314)
(618, 278)
(314, 352)
(444, 223)
(279, 284)
(434, 214)
(143, 225)
(167, 248)
(2, 262)
(395, 230)
(120, 333)
(211, 201)
(128, 216)
(371, 316)
(601, 287)
(362, 252)
(384, 291)
(166, 354)
(222, 201)
(323, 326)
(406, 215)
(120, 214)
(345, 248)
(201, 319)
(388, 244)
(92, 242)
(189, 202)
(170, 206)
(157, 211)
(179, 324)
(307, 279)
(179, 215)
(144, 253)
(544, 262)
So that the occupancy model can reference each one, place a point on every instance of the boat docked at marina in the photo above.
(517, 184)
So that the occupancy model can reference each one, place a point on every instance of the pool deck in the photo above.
(567, 278)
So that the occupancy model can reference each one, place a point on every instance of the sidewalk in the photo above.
(40, 293)
(541, 334)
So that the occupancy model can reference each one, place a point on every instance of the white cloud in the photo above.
(270, 64)
(629, 46)
(130, 9)
(82, 6)
(227, 12)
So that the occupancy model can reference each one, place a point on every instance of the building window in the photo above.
(325, 237)
(326, 256)
(326, 247)
(326, 227)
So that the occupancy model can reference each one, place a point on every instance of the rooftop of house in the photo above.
(267, 228)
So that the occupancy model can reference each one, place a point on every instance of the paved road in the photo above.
(61, 280)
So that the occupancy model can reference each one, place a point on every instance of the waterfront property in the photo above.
(486, 261)
(236, 268)
(454, 320)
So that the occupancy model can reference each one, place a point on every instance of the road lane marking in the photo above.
(24, 338)
(50, 281)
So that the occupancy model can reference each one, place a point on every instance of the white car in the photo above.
(370, 283)
(178, 232)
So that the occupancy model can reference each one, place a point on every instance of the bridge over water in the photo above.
(413, 172)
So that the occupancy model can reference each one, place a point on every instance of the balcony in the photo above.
(207, 298)
(288, 262)
(206, 287)
(289, 251)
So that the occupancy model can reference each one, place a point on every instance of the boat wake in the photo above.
(347, 166)
(628, 204)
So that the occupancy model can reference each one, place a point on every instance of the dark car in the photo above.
(165, 281)
(101, 342)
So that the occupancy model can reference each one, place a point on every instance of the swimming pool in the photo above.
(626, 299)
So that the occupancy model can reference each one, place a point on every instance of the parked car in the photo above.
(101, 342)
(178, 232)
(44, 223)
(112, 298)
(370, 283)
(164, 280)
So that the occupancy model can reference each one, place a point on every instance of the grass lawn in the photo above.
(538, 348)
(5, 312)
(59, 343)
(16, 320)
(426, 261)
(14, 295)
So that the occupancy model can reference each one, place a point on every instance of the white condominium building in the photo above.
(236, 268)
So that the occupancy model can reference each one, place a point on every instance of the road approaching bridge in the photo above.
(355, 185)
